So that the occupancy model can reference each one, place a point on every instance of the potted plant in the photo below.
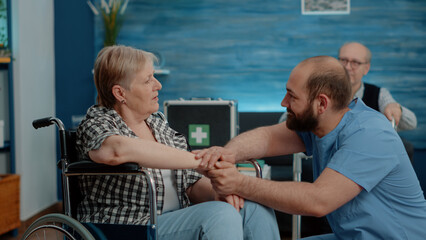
(112, 14)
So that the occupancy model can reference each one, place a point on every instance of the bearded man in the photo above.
(363, 180)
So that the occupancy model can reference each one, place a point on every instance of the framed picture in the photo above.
(318, 7)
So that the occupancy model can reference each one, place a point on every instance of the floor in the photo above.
(56, 208)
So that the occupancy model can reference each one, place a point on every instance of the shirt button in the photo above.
(158, 189)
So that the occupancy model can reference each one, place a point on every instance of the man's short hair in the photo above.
(329, 77)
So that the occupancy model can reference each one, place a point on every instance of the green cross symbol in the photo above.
(199, 134)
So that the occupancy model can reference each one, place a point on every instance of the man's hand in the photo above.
(211, 155)
(234, 200)
(393, 110)
(225, 178)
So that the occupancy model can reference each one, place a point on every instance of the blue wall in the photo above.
(246, 50)
(74, 57)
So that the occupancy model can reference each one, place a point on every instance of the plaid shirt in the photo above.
(124, 199)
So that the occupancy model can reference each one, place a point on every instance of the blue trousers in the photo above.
(219, 220)
(328, 236)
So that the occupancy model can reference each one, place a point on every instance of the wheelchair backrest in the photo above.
(72, 156)
(72, 153)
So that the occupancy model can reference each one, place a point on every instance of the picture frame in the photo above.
(325, 7)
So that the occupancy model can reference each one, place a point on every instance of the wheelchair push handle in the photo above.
(42, 122)
(45, 122)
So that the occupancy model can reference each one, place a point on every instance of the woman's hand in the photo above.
(236, 201)
(210, 156)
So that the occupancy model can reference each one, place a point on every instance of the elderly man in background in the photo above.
(356, 58)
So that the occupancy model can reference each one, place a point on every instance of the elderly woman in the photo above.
(126, 127)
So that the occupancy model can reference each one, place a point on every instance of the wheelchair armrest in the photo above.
(89, 167)
(256, 166)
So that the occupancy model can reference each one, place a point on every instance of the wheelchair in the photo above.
(65, 226)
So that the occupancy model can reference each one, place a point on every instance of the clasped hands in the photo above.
(218, 164)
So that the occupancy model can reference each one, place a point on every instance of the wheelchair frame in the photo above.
(81, 168)
(67, 224)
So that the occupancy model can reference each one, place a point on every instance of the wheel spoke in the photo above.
(57, 226)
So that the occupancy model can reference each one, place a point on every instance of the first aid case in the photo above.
(205, 122)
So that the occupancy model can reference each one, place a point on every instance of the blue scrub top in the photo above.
(366, 149)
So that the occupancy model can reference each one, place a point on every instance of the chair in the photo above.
(297, 177)
(64, 225)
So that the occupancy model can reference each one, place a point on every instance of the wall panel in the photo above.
(245, 50)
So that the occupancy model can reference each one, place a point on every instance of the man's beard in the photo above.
(303, 123)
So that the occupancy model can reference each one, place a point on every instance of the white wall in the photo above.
(34, 97)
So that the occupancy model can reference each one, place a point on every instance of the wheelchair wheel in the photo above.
(57, 226)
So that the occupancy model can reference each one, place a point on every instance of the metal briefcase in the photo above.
(204, 122)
